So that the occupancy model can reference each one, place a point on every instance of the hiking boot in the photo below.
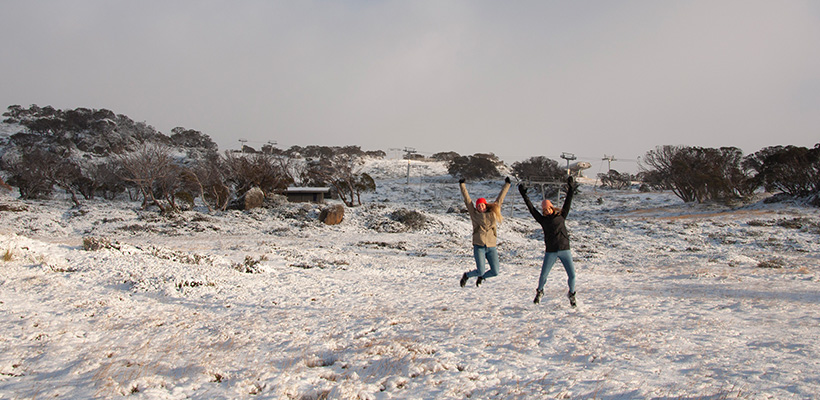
(479, 281)
(538, 295)
(463, 280)
(571, 297)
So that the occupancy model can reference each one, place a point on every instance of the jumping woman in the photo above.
(485, 217)
(556, 239)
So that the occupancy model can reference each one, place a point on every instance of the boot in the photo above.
(463, 280)
(538, 295)
(479, 281)
(571, 297)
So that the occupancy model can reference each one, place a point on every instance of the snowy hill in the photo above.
(675, 300)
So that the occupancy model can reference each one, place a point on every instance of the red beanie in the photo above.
(481, 200)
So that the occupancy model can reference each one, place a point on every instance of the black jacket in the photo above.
(556, 236)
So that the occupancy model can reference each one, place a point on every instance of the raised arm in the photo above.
(504, 189)
(465, 195)
(533, 211)
(572, 186)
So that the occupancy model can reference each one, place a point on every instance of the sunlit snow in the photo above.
(675, 300)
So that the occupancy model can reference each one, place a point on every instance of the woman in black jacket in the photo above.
(556, 239)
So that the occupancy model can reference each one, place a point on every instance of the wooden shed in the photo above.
(307, 194)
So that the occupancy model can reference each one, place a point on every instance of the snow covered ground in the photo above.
(676, 301)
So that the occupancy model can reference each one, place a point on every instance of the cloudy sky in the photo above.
(518, 78)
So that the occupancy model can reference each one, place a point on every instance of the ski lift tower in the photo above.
(569, 157)
(243, 141)
(609, 160)
(270, 144)
(408, 151)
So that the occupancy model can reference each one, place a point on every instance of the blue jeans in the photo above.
(480, 253)
(549, 261)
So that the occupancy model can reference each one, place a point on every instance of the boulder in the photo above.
(332, 215)
(254, 198)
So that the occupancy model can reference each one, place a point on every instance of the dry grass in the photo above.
(9, 254)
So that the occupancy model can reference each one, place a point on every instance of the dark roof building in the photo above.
(306, 194)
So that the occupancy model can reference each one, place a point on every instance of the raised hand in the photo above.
(573, 186)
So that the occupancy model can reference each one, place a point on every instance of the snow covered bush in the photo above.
(412, 219)
(96, 243)
(15, 207)
(773, 263)
(249, 266)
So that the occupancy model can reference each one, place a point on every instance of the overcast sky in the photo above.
(515, 78)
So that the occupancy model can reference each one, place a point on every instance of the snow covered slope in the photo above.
(675, 300)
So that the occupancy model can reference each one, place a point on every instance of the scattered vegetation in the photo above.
(88, 153)
(396, 246)
(92, 153)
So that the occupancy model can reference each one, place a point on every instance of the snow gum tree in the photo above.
(206, 176)
(700, 174)
(146, 168)
(477, 166)
(539, 168)
(791, 169)
(339, 171)
(245, 171)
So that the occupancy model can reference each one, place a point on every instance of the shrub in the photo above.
(790, 169)
(479, 166)
(185, 200)
(37, 170)
(773, 263)
(616, 180)
(700, 174)
(339, 171)
(91, 243)
(411, 219)
(249, 266)
(190, 138)
(539, 168)
(446, 156)
(245, 171)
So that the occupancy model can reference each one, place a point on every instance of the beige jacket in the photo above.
(484, 224)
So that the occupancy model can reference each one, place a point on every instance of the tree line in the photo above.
(89, 153)
(694, 174)
(698, 174)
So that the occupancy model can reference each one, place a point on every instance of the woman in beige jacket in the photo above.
(485, 217)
